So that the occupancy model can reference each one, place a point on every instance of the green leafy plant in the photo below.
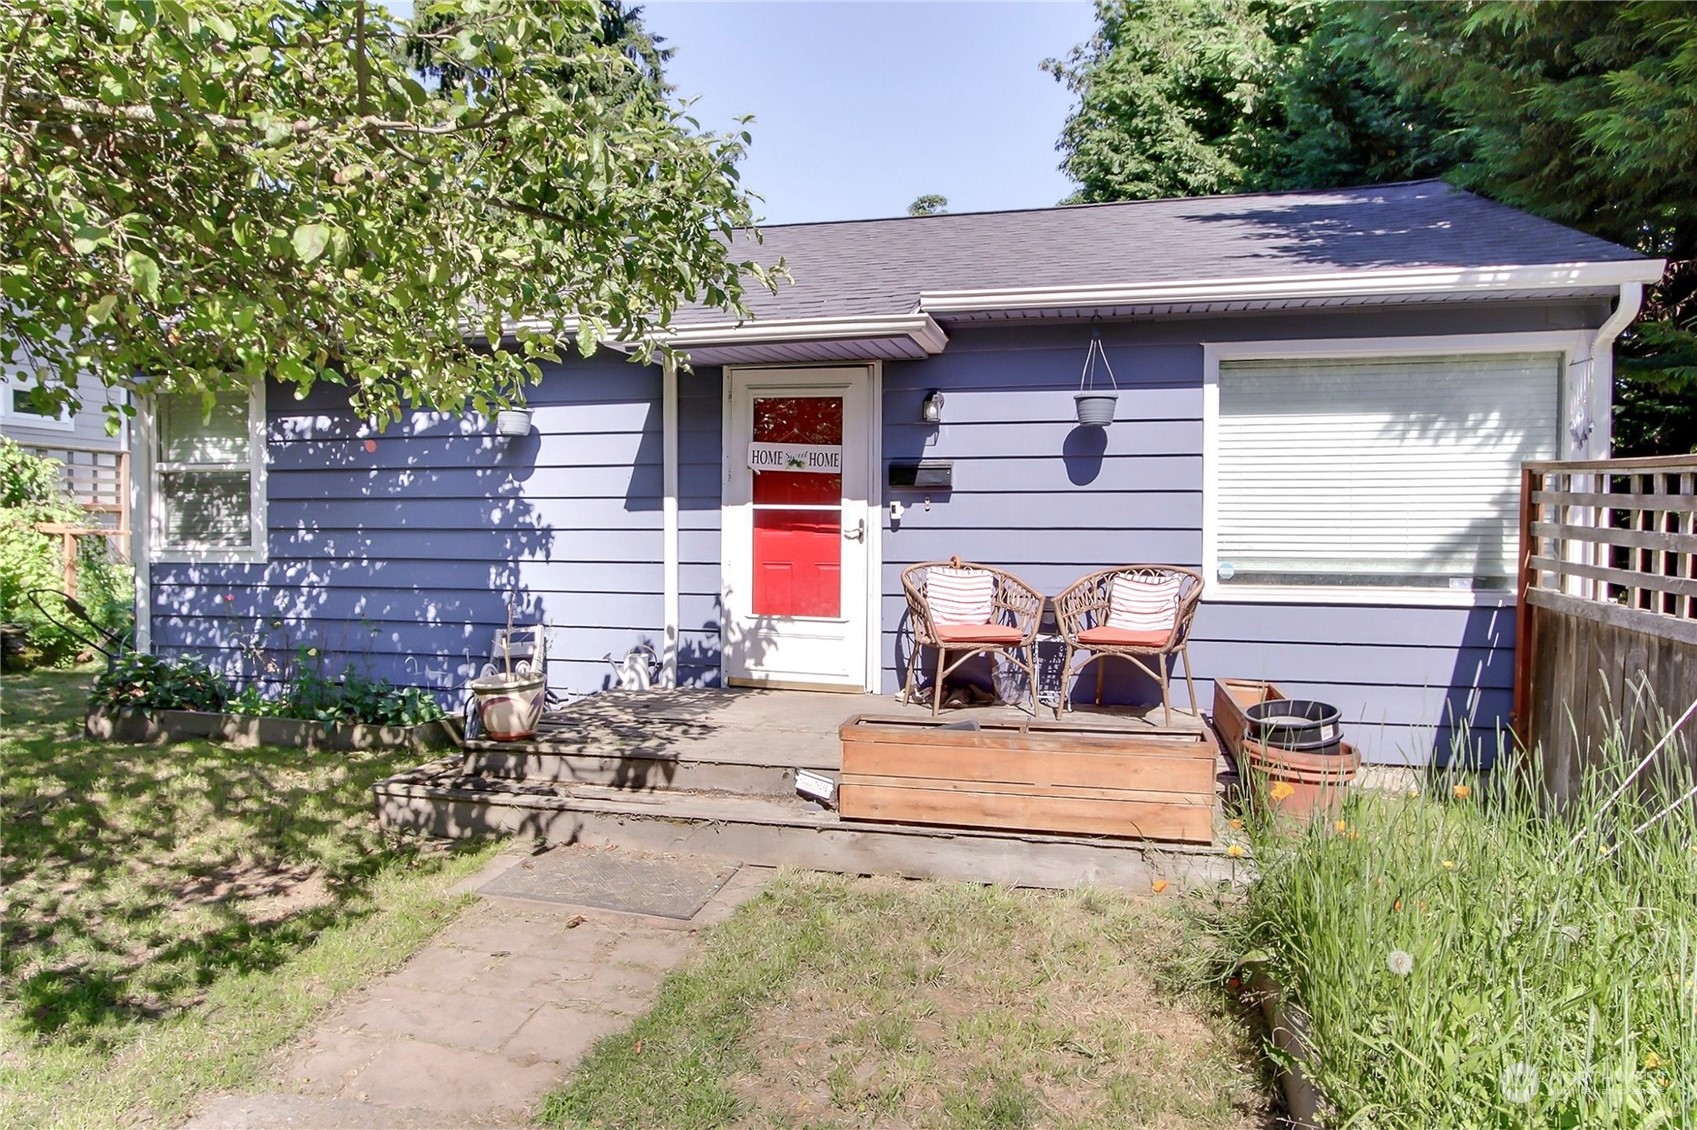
(148, 682)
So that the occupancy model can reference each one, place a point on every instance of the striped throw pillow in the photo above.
(960, 596)
(1143, 606)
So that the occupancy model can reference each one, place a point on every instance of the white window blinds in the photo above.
(1379, 471)
(205, 471)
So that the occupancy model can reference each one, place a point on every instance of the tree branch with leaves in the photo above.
(198, 195)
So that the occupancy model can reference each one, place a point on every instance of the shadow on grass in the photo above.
(138, 876)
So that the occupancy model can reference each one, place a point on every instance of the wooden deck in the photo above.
(714, 772)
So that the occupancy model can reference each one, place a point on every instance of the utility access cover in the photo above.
(664, 886)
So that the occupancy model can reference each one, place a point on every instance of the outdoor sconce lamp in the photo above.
(931, 409)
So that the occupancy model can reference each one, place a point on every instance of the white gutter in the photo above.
(1594, 400)
(1404, 281)
(669, 519)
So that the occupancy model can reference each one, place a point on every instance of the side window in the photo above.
(208, 469)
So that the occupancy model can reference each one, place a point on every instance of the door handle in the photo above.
(858, 533)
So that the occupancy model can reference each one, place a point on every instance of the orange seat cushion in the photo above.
(978, 633)
(1123, 637)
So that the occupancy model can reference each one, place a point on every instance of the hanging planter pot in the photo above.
(1095, 409)
(514, 423)
(1095, 406)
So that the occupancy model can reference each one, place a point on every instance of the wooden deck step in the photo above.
(638, 771)
(438, 800)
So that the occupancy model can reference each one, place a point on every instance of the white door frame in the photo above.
(874, 448)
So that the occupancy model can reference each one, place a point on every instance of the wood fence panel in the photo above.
(1587, 678)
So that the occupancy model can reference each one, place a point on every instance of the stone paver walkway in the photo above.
(481, 1023)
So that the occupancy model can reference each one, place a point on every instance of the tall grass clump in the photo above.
(1470, 954)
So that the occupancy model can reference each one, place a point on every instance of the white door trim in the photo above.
(874, 445)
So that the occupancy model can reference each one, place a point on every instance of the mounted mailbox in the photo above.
(927, 474)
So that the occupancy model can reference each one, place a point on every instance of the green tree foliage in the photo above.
(1167, 95)
(1582, 112)
(198, 194)
(929, 204)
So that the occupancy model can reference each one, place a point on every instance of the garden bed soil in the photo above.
(157, 727)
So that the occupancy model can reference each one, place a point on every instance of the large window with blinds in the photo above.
(1378, 471)
(208, 466)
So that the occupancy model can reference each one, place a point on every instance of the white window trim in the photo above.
(66, 421)
(258, 551)
(1574, 346)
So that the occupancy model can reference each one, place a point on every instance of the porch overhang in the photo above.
(900, 337)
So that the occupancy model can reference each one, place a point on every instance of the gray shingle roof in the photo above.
(871, 267)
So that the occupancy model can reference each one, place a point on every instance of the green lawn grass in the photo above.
(175, 913)
(830, 1001)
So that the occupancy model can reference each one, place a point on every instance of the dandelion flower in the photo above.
(1462, 792)
(1652, 1061)
(1158, 885)
(1282, 790)
(1449, 865)
(1413, 792)
(1342, 825)
(312, 651)
(1400, 962)
(1397, 905)
(1236, 824)
(1235, 851)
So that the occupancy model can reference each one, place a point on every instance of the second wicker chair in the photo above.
(1139, 613)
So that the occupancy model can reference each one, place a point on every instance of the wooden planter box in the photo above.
(1030, 776)
(156, 727)
(1232, 700)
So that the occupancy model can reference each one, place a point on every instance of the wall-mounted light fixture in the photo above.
(931, 409)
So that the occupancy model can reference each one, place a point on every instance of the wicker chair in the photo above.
(1153, 618)
(1009, 627)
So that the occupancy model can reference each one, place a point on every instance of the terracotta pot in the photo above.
(509, 706)
(1319, 781)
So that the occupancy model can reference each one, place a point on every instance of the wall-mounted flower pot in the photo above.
(514, 423)
(509, 706)
(1095, 409)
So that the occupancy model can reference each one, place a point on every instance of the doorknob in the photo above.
(858, 533)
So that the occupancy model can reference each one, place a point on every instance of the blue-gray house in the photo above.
(1324, 399)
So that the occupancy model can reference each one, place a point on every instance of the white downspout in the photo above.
(1594, 435)
(669, 516)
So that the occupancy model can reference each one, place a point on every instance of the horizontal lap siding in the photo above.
(397, 551)
(1050, 501)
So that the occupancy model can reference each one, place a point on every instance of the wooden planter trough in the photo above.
(156, 727)
(1155, 784)
(1318, 782)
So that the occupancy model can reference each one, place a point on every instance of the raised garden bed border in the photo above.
(244, 731)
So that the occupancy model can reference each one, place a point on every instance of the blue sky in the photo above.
(860, 106)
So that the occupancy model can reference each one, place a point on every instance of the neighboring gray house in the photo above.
(96, 462)
(1324, 401)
